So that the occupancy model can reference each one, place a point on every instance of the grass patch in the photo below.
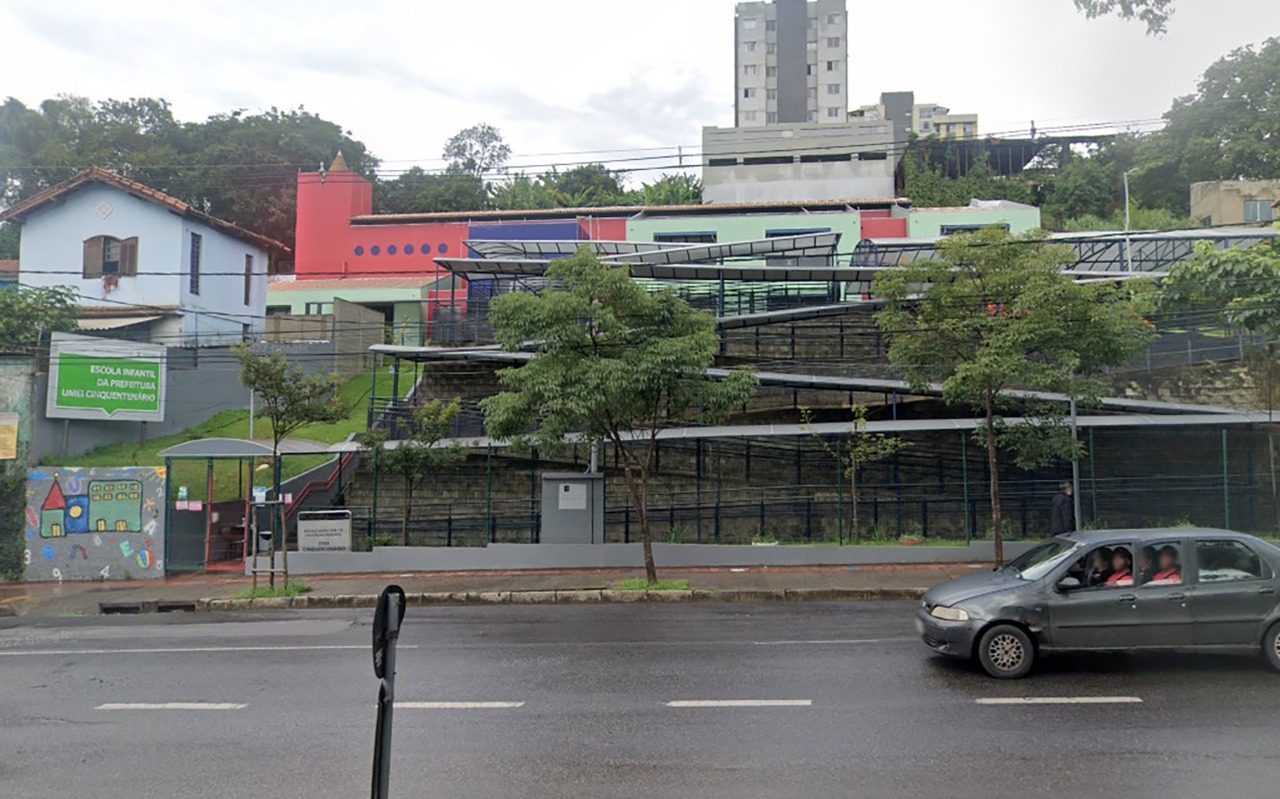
(267, 592)
(640, 584)
(229, 476)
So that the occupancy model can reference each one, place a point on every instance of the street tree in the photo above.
(417, 457)
(680, 188)
(994, 312)
(477, 151)
(1241, 288)
(614, 364)
(858, 450)
(28, 314)
(1154, 14)
(417, 191)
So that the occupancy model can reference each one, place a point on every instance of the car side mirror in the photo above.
(1068, 584)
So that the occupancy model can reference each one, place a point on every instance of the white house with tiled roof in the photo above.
(146, 266)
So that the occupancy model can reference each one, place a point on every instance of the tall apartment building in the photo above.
(791, 63)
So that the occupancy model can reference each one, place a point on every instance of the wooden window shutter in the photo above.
(93, 256)
(129, 257)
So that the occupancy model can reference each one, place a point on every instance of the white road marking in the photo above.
(458, 705)
(1060, 700)
(171, 706)
(741, 703)
(183, 650)
(832, 642)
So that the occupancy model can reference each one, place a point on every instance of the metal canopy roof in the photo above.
(886, 427)
(228, 448)
(804, 381)
(815, 244)
(543, 249)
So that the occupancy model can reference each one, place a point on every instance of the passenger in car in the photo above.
(1149, 564)
(1168, 570)
(1098, 569)
(1121, 568)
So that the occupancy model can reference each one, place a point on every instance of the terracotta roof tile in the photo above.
(19, 211)
(8, 267)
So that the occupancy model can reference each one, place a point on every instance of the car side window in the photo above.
(1224, 561)
(1104, 567)
(1160, 564)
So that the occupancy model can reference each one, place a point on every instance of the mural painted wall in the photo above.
(95, 524)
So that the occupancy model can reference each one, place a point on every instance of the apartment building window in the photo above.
(811, 69)
(750, 46)
(107, 255)
(750, 23)
(197, 241)
(750, 69)
(833, 18)
(771, 72)
(771, 118)
(833, 88)
(833, 66)
(812, 47)
(833, 41)
(813, 92)
(1259, 211)
(748, 116)
(969, 129)
(771, 94)
(248, 279)
(748, 93)
(833, 113)
(813, 23)
(813, 116)
(770, 48)
(771, 25)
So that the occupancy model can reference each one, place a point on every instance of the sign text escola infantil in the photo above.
(102, 379)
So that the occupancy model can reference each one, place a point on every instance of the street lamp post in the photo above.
(1128, 245)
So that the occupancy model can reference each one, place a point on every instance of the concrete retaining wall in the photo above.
(512, 557)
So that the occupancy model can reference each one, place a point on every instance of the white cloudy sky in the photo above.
(561, 76)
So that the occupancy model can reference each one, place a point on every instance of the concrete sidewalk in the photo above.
(212, 592)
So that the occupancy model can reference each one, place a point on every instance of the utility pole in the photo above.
(1075, 464)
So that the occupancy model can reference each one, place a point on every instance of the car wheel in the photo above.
(1271, 646)
(1006, 652)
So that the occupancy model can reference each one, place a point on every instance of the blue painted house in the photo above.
(147, 266)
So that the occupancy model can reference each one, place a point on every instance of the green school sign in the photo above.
(103, 379)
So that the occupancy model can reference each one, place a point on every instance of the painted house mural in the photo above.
(95, 524)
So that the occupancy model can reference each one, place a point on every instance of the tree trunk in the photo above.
(405, 512)
(638, 484)
(993, 470)
(853, 492)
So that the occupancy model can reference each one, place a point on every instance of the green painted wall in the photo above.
(297, 300)
(925, 223)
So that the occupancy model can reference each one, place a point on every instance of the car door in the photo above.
(1103, 617)
(1235, 591)
(1163, 606)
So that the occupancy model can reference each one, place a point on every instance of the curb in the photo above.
(345, 601)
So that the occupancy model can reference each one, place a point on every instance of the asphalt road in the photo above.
(574, 702)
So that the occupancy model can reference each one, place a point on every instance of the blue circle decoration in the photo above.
(426, 249)
(444, 249)
(376, 250)
(408, 249)
(49, 553)
(391, 249)
(359, 249)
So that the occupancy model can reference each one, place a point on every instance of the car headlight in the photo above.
(949, 614)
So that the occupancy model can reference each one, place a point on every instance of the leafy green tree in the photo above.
(1139, 219)
(995, 312)
(477, 151)
(614, 364)
(676, 189)
(587, 186)
(1081, 187)
(859, 450)
(13, 506)
(1154, 13)
(928, 185)
(1225, 131)
(419, 456)
(10, 242)
(523, 193)
(241, 167)
(28, 314)
(417, 192)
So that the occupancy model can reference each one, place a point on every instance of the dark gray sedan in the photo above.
(1112, 591)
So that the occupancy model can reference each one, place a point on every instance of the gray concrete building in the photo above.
(1234, 202)
(791, 63)
(777, 163)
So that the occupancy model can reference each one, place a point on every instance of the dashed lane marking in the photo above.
(712, 703)
(1059, 700)
(458, 705)
(171, 706)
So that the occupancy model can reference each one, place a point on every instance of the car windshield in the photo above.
(1041, 560)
